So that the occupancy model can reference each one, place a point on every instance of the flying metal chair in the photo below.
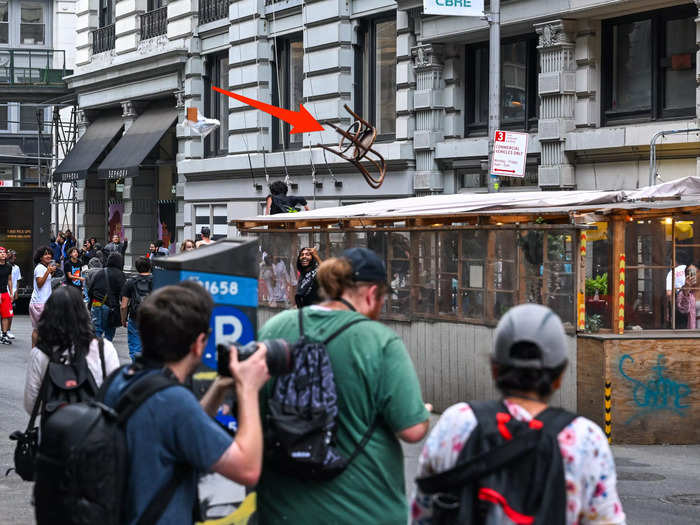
(359, 137)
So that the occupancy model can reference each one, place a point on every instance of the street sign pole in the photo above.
(494, 18)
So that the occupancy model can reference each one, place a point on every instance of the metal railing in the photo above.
(154, 23)
(45, 67)
(211, 10)
(103, 39)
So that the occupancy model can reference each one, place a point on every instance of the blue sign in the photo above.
(228, 325)
(226, 289)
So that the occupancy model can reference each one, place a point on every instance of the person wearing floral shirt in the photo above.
(589, 467)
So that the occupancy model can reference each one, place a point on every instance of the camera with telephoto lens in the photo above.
(278, 357)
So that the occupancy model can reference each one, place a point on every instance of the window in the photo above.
(648, 249)
(474, 179)
(4, 23)
(106, 15)
(31, 29)
(375, 75)
(216, 104)
(519, 98)
(599, 273)
(212, 216)
(287, 87)
(649, 72)
(4, 124)
(30, 116)
(152, 5)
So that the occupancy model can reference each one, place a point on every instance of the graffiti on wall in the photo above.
(659, 393)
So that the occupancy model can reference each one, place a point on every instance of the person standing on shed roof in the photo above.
(279, 202)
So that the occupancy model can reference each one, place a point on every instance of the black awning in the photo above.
(136, 143)
(87, 150)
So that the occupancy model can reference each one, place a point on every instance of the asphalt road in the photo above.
(659, 485)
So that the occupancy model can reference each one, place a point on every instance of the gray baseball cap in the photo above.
(530, 323)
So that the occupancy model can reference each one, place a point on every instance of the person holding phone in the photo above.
(43, 271)
(686, 302)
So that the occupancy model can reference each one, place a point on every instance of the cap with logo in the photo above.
(534, 324)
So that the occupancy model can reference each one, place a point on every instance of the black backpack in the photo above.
(143, 286)
(300, 433)
(82, 464)
(508, 472)
(67, 380)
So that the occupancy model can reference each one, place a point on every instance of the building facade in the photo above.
(35, 58)
(591, 82)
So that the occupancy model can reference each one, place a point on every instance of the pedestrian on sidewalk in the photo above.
(16, 277)
(103, 296)
(6, 294)
(72, 269)
(205, 234)
(65, 334)
(43, 272)
(115, 246)
(134, 291)
(562, 459)
(380, 403)
(171, 435)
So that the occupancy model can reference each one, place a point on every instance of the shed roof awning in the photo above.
(87, 150)
(456, 205)
(136, 143)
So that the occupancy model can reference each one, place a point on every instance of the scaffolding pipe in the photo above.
(652, 150)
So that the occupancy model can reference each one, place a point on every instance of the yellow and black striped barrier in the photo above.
(608, 410)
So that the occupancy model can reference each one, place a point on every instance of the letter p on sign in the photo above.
(227, 329)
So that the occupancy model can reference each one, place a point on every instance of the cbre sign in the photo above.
(454, 7)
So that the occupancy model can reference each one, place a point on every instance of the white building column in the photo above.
(87, 21)
(429, 111)
(557, 90)
(249, 75)
(127, 25)
(405, 77)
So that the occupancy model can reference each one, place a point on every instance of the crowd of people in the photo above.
(363, 391)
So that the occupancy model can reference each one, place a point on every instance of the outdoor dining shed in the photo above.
(617, 266)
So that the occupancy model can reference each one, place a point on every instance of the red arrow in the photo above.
(301, 121)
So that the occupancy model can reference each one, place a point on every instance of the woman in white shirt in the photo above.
(43, 271)
(65, 330)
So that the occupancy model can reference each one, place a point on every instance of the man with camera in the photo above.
(171, 430)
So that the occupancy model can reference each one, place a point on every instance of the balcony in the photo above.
(154, 23)
(211, 10)
(103, 39)
(32, 67)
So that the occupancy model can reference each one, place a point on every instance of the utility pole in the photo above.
(494, 18)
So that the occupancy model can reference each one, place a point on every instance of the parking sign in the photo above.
(509, 154)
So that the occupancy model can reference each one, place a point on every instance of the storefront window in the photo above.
(473, 264)
(502, 273)
(598, 277)
(648, 288)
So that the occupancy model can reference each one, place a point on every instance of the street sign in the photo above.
(228, 325)
(454, 7)
(509, 154)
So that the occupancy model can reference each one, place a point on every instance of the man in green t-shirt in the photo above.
(374, 377)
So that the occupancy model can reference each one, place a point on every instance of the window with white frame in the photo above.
(4, 23)
(4, 117)
(212, 216)
(31, 116)
(32, 24)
